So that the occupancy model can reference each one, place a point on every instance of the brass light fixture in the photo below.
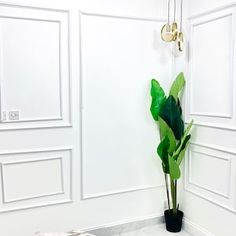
(170, 31)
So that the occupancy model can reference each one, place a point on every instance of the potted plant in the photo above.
(174, 140)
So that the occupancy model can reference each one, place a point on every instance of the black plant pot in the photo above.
(173, 222)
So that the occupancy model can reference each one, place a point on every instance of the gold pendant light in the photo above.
(170, 32)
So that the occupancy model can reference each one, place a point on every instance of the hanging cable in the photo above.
(168, 17)
(181, 15)
(174, 10)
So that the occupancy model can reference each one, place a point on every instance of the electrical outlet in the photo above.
(14, 115)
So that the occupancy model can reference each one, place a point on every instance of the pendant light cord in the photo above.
(181, 15)
(168, 19)
(174, 10)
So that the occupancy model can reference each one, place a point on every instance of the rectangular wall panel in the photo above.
(36, 43)
(119, 58)
(210, 88)
(35, 178)
(29, 179)
(36, 92)
(210, 173)
(217, 180)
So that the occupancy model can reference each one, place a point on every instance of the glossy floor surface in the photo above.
(158, 230)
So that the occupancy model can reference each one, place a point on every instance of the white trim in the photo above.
(63, 196)
(217, 9)
(159, 218)
(122, 191)
(195, 229)
(125, 17)
(189, 88)
(225, 201)
(3, 166)
(65, 110)
(228, 160)
(110, 193)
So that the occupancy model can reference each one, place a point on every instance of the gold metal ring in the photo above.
(166, 33)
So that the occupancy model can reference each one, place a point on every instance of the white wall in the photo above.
(82, 153)
(210, 170)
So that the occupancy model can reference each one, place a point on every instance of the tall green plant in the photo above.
(174, 139)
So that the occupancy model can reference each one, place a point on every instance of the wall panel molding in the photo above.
(61, 172)
(84, 194)
(60, 18)
(226, 198)
(221, 117)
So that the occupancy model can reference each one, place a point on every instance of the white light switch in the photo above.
(14, 115)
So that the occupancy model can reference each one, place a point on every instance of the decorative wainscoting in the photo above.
(211, 174)
(211, 85)
(38, 95)
(107, 39)
(35, 178)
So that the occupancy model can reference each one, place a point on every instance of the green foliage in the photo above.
(174, 139)
(184, 140)
(162, 151)
(182, 152)
(170, 113)
(173, 168)
(158, 98)
(177, 86)
(165, 130)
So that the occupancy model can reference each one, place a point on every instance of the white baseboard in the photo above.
(195, 229)
(133, 224)
(125, 225)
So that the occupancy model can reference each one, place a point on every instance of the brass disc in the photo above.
(174, 30)
(180, 41)
(166, 33)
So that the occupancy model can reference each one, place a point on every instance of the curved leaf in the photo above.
(182, 153)
(165, 130)
(158, 98)
(186, 132)
(177, 86)
(173, 168)
(162, 151)
(170, 113)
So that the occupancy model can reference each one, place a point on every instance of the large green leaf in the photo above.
(186, 132)
(182, 153)
(170, 113)
(158, 98)
(177, 86)
(162, 151)
(173, 168)
(165, 130)
(184, 142)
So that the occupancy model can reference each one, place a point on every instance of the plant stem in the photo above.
(176, 195)
(173, 195)
(167, 191)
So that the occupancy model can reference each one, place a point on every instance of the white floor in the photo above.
(153, 231)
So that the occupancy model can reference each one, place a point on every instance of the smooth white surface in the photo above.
(24, 179)
(217, 73)
(26, 78)
(136, 57)
(203, 207)
(208, 203)
(219, 178)
(216, 185)
(34, 67)
(209, 67)
(35, 178)
(116, 91)
(158, 230)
